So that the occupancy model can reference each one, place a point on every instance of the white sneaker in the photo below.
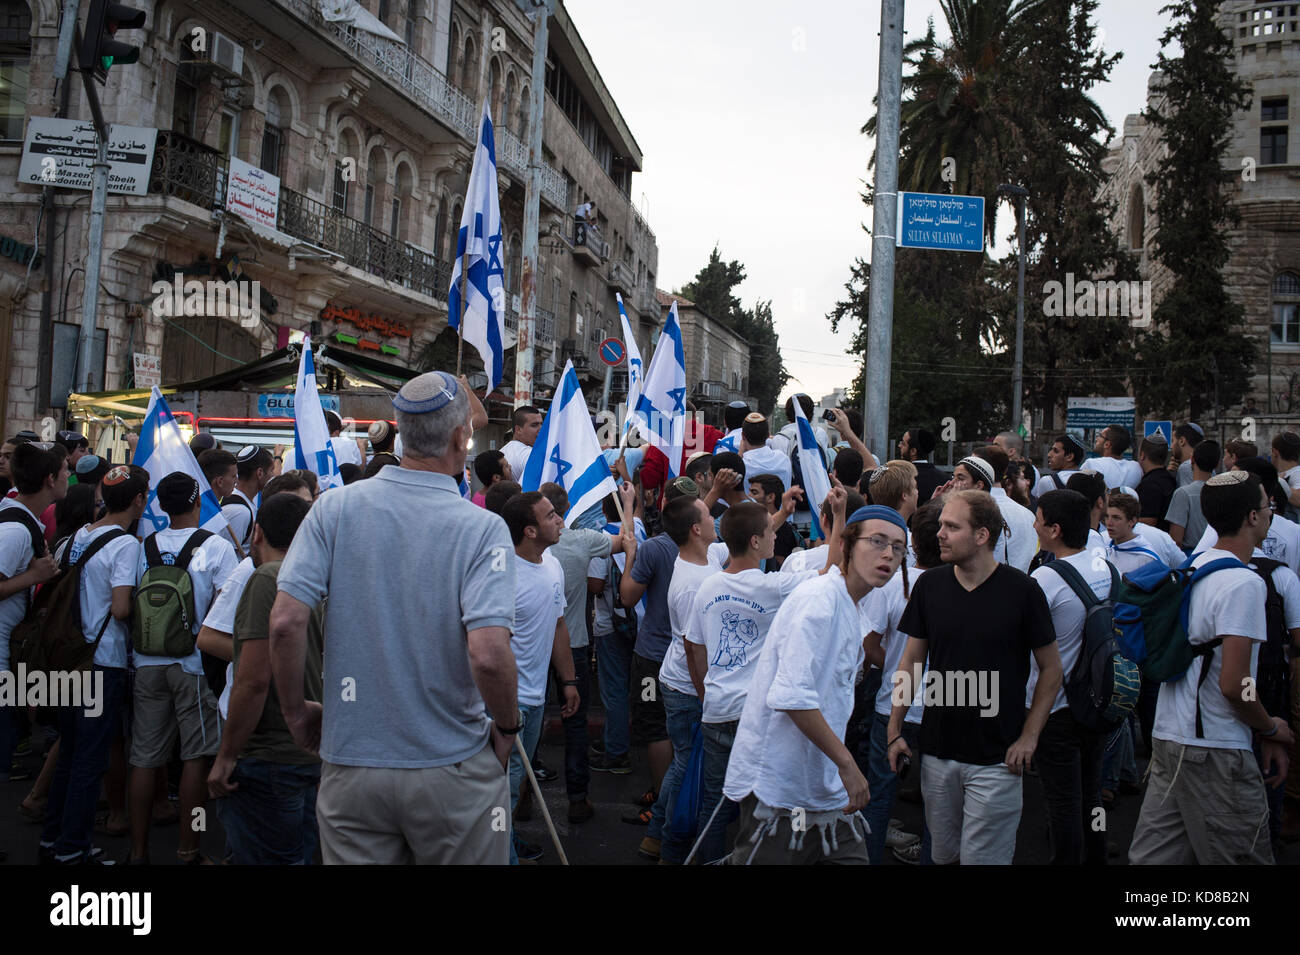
(898, 838)
(910, 854)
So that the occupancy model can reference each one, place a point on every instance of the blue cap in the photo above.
(428, 392)
(878, 512)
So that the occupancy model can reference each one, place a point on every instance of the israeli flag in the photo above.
(312, 450)
(567, 451)
(633, 361)
(162, 450)
(816, 481)
(660, 409)
(478, 254)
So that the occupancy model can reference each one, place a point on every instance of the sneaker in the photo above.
(647, 798)
(526, 851)
(898, 838)
(544, 773)
(640, 818)
(605, 763)
(24, 747)
(581, 811)
(18, 772)
(649, 849)
(909, 854)
(596, 747)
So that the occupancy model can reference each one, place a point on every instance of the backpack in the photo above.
(1151, 611)
(1056, 479)
(51, 636)
(1103, 687)
(236, 499)
(164, 616)
(1273, 673)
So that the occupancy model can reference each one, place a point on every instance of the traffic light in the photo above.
(99, 50)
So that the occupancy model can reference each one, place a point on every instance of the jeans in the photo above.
(613, 675)
(271, 818)
(1118, 762)
(883, 784)
(1069, 767)
(577, 772)
(718, 740)
(682, 712)
(83, 760)
(529, 734)
(857, 735)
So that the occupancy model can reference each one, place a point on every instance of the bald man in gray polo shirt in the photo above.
(420, 586)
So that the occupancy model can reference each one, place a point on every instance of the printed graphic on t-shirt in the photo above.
(737, 635)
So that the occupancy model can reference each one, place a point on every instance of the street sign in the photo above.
(933, 220)
(1164, 427)
(612, 352)
(280, 404)
(60, 152)
(1100, 412)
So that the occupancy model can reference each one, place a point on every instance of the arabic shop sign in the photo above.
(252, 194)
(937, 221)
(62, 152)
(364, 322)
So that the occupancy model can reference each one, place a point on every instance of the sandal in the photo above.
(102, 826)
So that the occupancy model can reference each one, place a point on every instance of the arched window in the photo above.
(185, 98)
(494, 88)
(508, 103)
(453, 54)
(273, 142)
(412, 18)
(521, 114)
(376, 172)
(440, 230)
(1137, 219)
(469, 69)
(397, 228)
(1286, 309)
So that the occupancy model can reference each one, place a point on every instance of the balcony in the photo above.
(189, 170)
(428, 88)
(619, 276)
(545, 331)
(588, 247)
(573, 348)
(710, 391)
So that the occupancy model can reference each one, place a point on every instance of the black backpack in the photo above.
(1273, 673)
(236, 499)
(1102, 689)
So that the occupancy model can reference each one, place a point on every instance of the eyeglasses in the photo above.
(880, 544)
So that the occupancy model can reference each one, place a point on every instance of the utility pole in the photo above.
(524, 353)
(94, 241)
(884, 217)
(1019, 193)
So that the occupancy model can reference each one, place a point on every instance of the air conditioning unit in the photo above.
(222, 54)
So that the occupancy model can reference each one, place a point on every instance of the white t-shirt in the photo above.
(517, 453)
(730, 617)
(814, 558)
(539, 605)
(240, 519)
(346, 450)
(810, 662)
(1132, 554)
(1227, 602)
(1067, 614)
(210, 565)
(767, 461)
(787, 439)
(1282, 542)
(1160, 542)
(1045, 483)
(114, 566)
(881, 610)
(686, 581)
(1019, 549)
(15, 554)
(221, 617)
(1117, 471)
(1291, 478)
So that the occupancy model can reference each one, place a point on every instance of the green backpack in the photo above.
(164, 618)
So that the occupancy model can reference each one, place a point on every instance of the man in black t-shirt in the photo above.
(1157, 485)
(916, 445)
(974, 623)
(769, 491)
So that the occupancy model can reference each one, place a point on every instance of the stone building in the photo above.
(717, 359)
(1263, 273)
(367, 114)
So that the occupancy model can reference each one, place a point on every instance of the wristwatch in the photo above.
(512, 730)
(569, 683)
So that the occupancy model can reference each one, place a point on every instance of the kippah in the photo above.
(117, 475)
(428, 392)
(379, 430)
(876, 473)
(1077, 444)
(1157, 436)
(247, 453)
(878, 512)
(684, 487)
(87, 463)
(1228, 478)
(980, 465)
(1196, 427)
(1125, 489)
(755, 417)
(203, 441)
(737, 404)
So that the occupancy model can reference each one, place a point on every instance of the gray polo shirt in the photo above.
(408, 566)
(575, 550)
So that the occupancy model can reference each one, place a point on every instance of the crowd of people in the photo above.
(360, 674)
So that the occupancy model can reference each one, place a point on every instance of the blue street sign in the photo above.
(1164, 427)
(612, 351)
(280, 405)
(931, 220)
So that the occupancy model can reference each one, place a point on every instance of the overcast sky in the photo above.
(747, 115)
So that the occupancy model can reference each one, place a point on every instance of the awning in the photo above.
(355, 15)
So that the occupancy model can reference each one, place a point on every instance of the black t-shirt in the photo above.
(992, 629)
(1154, 493)
(928, 477)
(785, 545)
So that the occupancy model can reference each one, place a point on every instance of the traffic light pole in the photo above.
(94, 241)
